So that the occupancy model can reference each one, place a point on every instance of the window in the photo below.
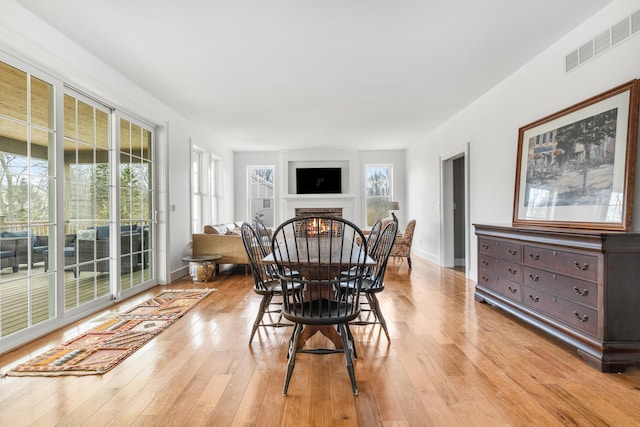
(261, 194)
(198, 190)
(216, 189)
(377, 192)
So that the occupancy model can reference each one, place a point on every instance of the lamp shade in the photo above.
(394, 206)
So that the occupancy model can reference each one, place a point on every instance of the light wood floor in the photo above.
(451, 362)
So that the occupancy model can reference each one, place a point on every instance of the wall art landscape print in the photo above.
(576, 168)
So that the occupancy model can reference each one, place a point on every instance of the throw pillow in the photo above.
(86, 235)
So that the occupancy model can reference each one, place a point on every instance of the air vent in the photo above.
(603, 42)
(586, 51)
(572, 60)
(619, 32)
(635, 22)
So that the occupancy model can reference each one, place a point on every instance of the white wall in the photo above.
(355, 159)
(491, 123)
(29, 39)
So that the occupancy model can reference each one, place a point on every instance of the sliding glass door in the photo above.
(76, 204)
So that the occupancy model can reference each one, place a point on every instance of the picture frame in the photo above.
(576, 168)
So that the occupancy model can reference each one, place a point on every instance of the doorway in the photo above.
(454, 210)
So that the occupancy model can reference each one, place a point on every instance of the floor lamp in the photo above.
(394, 206)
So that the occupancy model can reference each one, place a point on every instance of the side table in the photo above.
(202, 268)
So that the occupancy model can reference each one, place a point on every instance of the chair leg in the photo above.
(352, 342)
(375, 305)
(344, 334)
(264, 305)
(409, 261)
(293, 345)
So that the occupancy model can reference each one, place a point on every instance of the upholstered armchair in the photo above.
(402, 245)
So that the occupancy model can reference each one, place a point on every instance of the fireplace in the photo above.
(335, 212)
(320, 226)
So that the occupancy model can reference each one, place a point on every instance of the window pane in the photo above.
(86, 123)
(13, 92)
(102, 130)
(41, 103)
(377, 192)
(70, 117)
(261, 193)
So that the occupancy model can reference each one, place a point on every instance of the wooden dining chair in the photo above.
(320, 248)
(373, 281)
(265, 280)
(263, 235)
(372, 238)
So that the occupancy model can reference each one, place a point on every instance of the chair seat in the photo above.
(7, 254)
(325, 312)
(275, 286)
(367, 286)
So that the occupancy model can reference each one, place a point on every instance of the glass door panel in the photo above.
(27, 200)
(87, 252)
(136, 203)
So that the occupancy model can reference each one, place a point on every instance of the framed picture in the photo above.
(575, 168)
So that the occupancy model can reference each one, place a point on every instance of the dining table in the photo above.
(320, 261)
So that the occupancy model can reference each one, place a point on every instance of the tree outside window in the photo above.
(377, 192)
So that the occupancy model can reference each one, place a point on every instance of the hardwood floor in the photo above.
(451, 362)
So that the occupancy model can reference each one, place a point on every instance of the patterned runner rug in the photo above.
(103, 347)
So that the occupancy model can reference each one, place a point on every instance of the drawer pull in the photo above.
(534, 299)
(581, 319)
(485, 262)
(534, 278)
(512, 290)
(512, 251)
(583, 293)
(583, 268)
(485, 246)
(512, 270)
(485, 278)
(534, 257)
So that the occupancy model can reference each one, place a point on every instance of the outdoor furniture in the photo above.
(8, 254)
(27, 246)
(93, 255)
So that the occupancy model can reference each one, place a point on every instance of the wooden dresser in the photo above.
(580, 286)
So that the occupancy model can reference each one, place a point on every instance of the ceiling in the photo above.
(308, 74)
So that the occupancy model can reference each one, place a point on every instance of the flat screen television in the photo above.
(318, 180)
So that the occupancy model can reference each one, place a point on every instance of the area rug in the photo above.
(103, 347)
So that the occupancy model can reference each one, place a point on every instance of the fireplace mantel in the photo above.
(344, 201)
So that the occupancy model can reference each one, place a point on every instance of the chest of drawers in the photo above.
(582, 287)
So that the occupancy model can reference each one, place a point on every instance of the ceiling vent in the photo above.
(619, 32)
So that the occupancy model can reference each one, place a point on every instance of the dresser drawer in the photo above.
(501, 267)
(572, 289)
(570, 313)
(500, 249)
(507, 288)
(572, 264)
